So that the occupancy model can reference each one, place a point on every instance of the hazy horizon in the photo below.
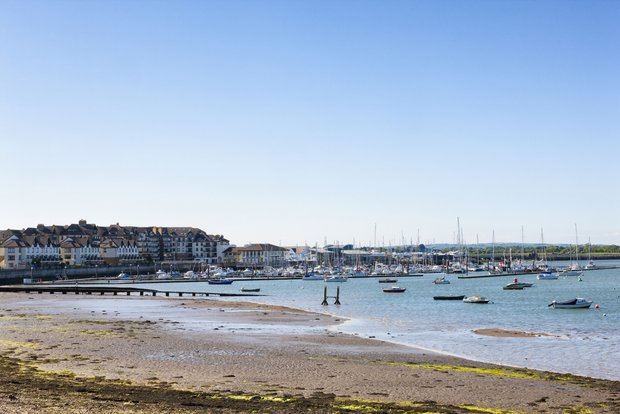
(298, 122)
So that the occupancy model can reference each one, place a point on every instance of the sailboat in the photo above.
(590, 265)
(546, 274)
(574, 269)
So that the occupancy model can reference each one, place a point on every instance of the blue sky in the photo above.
(298, 121)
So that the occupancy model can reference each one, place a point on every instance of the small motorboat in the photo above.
(516, 285)
(461, 297)
(313, 276)
(394, 289)
(387, 280)
(220, 281)
(339, 279)
(441, 281)
(415, 274)
(475, 299)
(246, 289)
(547, 276)
(577, 303)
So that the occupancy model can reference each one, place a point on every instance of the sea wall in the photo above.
(17, 276)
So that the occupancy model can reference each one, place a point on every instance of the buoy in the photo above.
(596, 306)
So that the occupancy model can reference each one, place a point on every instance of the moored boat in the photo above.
(456, 297)
(220, 281)
(245, 289)
(475, 299)
(339, 279)
(547, 276)
(388, 280)
(513, 286)
(572, 272)
(160, 274)
(517, 285)
(394, 289)
(441, 281)
(577, 303)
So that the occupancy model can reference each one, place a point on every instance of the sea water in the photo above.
(579, 341)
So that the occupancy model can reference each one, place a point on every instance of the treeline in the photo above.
(549, 250)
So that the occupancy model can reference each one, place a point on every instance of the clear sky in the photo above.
(300, 121)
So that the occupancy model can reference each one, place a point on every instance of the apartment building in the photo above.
(88, 244)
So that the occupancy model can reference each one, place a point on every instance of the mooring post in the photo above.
(193, 293)
(141, 293)
(324, 303)
(128, 293)
(180, 294)
(167, 293)
(337, 302)
(154, 293)
(115, 292)
(64, 292)
(102, 293)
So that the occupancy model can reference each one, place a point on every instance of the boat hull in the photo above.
(394, 289)
(449, 297)
(578, 303)
(220, 282)
(475, 299)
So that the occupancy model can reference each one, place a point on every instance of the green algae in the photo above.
(476, 409)
(499, 372)
(23, 316)
(98, 333)
(357, 408)
(61, 373)
(13, 344)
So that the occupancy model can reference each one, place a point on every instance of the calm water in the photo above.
(584, 342)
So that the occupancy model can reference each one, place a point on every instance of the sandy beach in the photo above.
(65, 354)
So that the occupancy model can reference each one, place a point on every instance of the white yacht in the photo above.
(547, 276)
(577, 303)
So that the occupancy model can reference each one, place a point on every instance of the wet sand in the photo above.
(503, 333)
(182, 355)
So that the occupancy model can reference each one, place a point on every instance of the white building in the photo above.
(262, 254)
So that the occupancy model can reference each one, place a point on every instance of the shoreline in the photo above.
(230, 348)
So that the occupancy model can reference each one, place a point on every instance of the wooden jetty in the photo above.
(114, 290)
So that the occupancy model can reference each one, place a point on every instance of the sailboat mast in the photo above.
(576, 245)
(522, 247)
(493, 251)
(458, 237)
(544, 250)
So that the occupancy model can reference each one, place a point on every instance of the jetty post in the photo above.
(337, 297)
